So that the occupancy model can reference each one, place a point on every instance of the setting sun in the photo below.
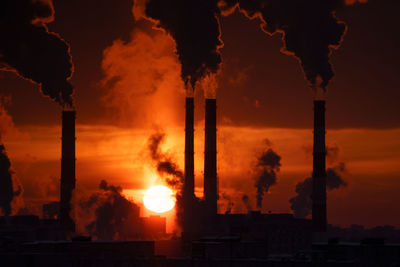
(159, 199)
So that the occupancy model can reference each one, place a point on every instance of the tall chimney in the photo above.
(210, 158)
(319, 172)
(67, 169)
(188, 191)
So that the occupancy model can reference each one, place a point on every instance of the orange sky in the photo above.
(127, 84)
(119, 156)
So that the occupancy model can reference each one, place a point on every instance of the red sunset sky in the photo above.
(127, 86)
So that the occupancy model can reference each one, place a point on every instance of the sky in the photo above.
(127, 86)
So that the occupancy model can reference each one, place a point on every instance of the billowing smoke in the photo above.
(150, 85)
(309, 28)
(268, 165)
(115, 217)
(195, 27)
(167, 169)
(165, 164)
(30, 50)
(301, 204)
(10, 187)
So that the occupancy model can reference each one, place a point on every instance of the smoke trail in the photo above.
(168, 170)
(165, 165)
(246, 202)
(195, 27)
(30, 50)
(301, 204)
(230, 203)
(267, 167)
(310, 30)
(114, 214)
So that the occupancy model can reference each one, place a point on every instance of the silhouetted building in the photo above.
(80, 252)
(24, 228)
(210, 161)
(368, 252)
(319, 172)
(67, 169)
(51, 210)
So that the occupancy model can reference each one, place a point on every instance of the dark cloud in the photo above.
(195, 27)
(310, 30)
(32, 51)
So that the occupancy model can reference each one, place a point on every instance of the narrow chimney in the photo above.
(188, 192)
(210, 158)
(67, 169)
(319, 220)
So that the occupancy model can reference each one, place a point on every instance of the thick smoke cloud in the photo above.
(195, 27)
(310, 30)
(301, 204)
(29, 49)
(267, 166)
(115, 216)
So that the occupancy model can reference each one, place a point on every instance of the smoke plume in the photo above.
(115, 215)
(165, 165)
(195, 27)
(301, 204)
(246, 202)
(141, 94)
(10, 187)
(310, 30)
(229, 203)
(167, 169)
(30, 50)
(267, 166)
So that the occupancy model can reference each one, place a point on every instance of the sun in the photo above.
(159, 199)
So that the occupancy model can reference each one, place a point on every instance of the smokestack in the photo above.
(210, 158)
(319, 172)
(188, 191)
(67, 169)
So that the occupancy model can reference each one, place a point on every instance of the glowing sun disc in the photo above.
(159, 199)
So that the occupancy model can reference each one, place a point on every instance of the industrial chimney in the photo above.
(67, 169)
(319, 173)
(188, 191)
(210, 159)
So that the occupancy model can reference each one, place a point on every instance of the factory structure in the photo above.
(275, 233)
(208, 238)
